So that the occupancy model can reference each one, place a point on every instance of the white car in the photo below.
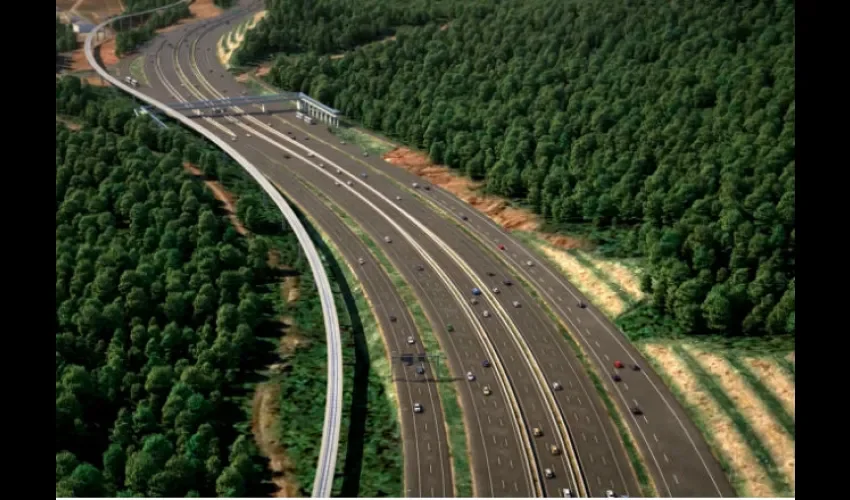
(247, 135)
(556, 386)
(548, 473)
(566, 492)
(360, 260)
(486, 314)
(529, 263)
(337, 184)
(388, 239)
(473, 301)
(487, 390)
(349, 183)
(470, 376)
(411, 340)
(310, 155)
(398, 198)
(417, 408)
(321, 165)
(338, 172)
(515, 303)
(495, 289)
(610, 494)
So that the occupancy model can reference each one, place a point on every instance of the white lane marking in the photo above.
(596, 342)
(578, 319)
(675, 478)
(501, 424)
(656, 437)
(606, 357)
(429, 446)
(430, 471)
(583, 437)
(551, 289)
(666, 459)
(494, 439)
(516, 488)
(595, 438)
(560, 299)
(503, 484)
(645, 419)
(579, 400)
(568, 307)
(498, 460)
(604, 462)
(591, 458)
(626, 386)
(488, 420)
(588, 331)
(512, 464)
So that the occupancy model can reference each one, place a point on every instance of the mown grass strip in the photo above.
(787, 366)
(746, 431)
(458, 449)
(602, 276)
(765, 394)
(137, 70)
(696, 416)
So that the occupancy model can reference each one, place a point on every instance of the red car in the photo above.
(618, 364)
(501, 247)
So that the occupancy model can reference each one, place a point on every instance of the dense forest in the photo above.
(167, 317)
(668, 124)
(66, 39)
(128, 39)
(158, 299)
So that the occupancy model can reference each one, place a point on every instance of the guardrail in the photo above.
(333, 405)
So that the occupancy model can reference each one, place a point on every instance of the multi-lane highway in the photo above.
(526, 349)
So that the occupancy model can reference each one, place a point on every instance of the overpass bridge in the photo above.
(307, 106)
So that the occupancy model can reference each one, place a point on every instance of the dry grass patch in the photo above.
(601, 295)
(265, 419)
(745, 466)
(777, 442)
(621, 275)
(225, 49)
(779, 383)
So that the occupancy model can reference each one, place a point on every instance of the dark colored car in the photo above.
(636, 410)
(507, 282)
(616, 377)
(582, 305)
(463, 217)
(636, 368)
(485, 363)
(393, 319)
(420, 370)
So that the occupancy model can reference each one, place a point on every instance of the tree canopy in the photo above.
(672, 122)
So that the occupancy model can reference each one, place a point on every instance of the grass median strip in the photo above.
(458, 448)
(137, 70)
(743, 427)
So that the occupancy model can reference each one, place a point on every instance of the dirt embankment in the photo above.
(498, 209)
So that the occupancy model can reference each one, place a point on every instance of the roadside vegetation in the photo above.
(614, 124)
(131, 37)
(66, 39)
(177, 347)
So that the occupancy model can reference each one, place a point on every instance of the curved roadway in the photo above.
(527, 350)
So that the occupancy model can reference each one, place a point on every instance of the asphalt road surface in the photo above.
(523, 339)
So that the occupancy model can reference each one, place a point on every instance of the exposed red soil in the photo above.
(221, 195)
(497, 209)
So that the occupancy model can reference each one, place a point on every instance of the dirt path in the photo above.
(222, 196)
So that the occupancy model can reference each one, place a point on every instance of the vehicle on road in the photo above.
(582, 305)
(343, 143)
(515, 303)
(398, 198)
(616, 377)
(610, 494)
(338, 172)
(636, 410)
(485, 363)
(501, 247)
(415, 185)
(635, 368)
(473, 301)
(420, 370)
(411, 340)
(470, 376)
(486, 314)
(310, 155)
(450, 328)
(289, 132)
(537, 432)
(487, 390)
(321, 165)
(427, 187)
(306, 138)
(361, 261)
(556, 386)
(529, 263)
(491, 273)
(420, 267)
(507, 282)
(286, 156)
(554, 450)
(417, 408)
(495, 289)
(476, 291)
(548, 473)
(618, 364)
(463, 217)
(566, 493)
(349, 183)
(336, 183)
(386, 238)
(363, 175)
(365, 153)
(393, 319)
